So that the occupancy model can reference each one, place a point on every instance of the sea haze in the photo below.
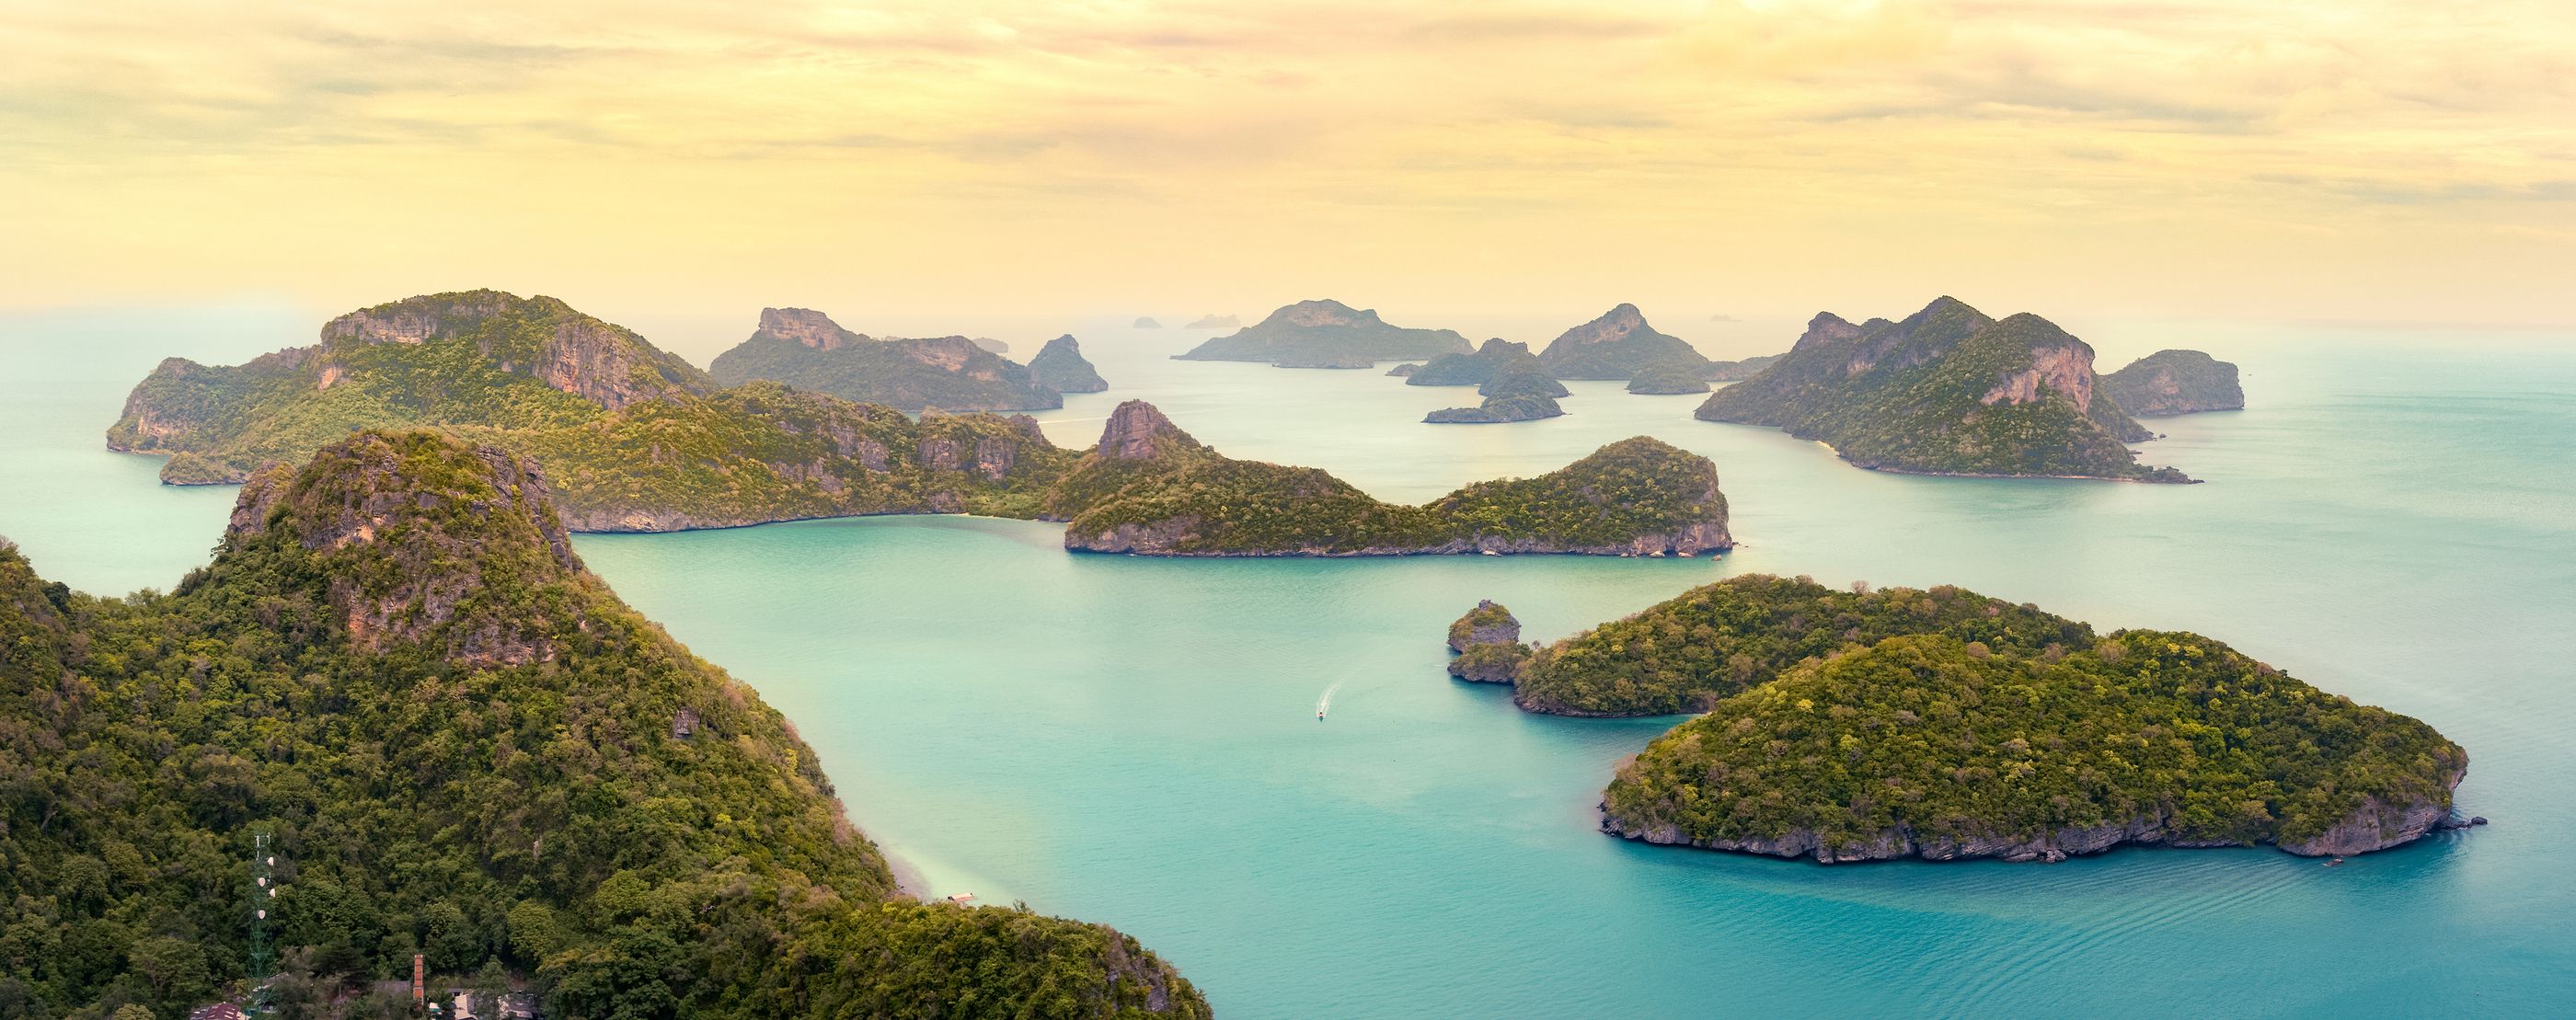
(1133, 741)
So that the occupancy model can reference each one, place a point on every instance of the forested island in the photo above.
(1497, 357)
(2171, 382)
(1151, 489)
(806, 349)
(633, 439)
(1061, 367)
(458, 743)
(1946, 391)
(1618, 345)
(1944, 724)
(1500, 409)
(1326, 334)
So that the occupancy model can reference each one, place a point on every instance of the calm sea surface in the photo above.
(1134, 741)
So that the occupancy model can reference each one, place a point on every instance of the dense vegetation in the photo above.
(1495, 358)
(1618, 345)
(1150, 488)
(805, 349)
(1944, 747)
(1485, 645)
(1946, 391)
(1734, 371)
(2176, 382)
(1061, 367)
(1327, 334)
(464, 746)
(1663, 380)
(1687, 653)
(1499, 409)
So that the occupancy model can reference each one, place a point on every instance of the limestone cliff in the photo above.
(1485, 645)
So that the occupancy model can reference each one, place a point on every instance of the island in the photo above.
(1738, 371)
(1943, 724)
(1213, 321)
(1618, 345)
(449, 737)
(1151, 489)
(1496, 410)
(1485, 645)
(1667, 380)
(1496, 357)
(1146, 322)
(1946, 391)
(1061, 367)
(806, 349)
(1330, 334)
(632, 439)
(1406, 370)
(2171, 382)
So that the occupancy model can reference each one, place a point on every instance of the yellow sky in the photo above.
(2356, 159)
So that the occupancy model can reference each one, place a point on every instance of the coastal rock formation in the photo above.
(1213, 321)
(1485, 645)
(1496, 357)
(1150, 489)
(1061, 367)
(1499, 410)
(2172, 382)
(1661, 381)
(468, 358)
(395, 667)
(806, 349)
(1406, 370)
(1945, 391)
(1618, 345)
(1933, 747)
(1327, 334)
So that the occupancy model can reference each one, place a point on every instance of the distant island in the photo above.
(633, 439)
(1662, 380)
(1061, 367)
(1475, 368)
(806, 349)
(1147, 322)
(456, 741)
(1498, 410)
(2173, 382)
(1326, 334)
(1946, 391)
(1738, 371)
(1215, 322)
(1618, 345)
(1151, 489)
(1943, 724)
(1485, 645)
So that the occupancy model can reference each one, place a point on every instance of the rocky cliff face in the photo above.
(806, 326)
(2062, 367)
(1138, 431)
(540, 337)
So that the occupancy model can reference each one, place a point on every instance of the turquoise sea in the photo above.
(1134, 741)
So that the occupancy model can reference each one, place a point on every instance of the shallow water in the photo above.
(1133, 741)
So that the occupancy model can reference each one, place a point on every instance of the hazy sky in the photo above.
(2355, 159)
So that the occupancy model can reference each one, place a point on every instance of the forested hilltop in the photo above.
(1946, 391)
(463, 745)
(1149, 488)
(1326, 334)
(806, 349)
(1944, 724)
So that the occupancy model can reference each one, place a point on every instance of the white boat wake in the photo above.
(1325, 704)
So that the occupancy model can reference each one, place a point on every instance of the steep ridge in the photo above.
(1061, 367)
(806, 349)
(463, 744)
(1618, 345)
(1946, 390)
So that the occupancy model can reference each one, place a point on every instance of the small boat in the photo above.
(1319, 715)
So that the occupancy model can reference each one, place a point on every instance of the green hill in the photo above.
(1947, 391)
(807, 350)
(464, 746)
(1151, 489)
(1327, 333)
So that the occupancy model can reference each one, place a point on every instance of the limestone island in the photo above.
(1662, 380)
(1327, 334)
(1151, 489)
(1485, 645)
(1499, 410)
(805, 349)
(1497, 358)
(1213, 321)
(1618, 345)
(633, 439)
(1061, 367)
(398, 670)
(1406, 370)
(2171, 382)
(1943, 724)
(1146, 322)
(1946, 391)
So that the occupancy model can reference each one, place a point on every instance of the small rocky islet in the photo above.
(1946, 725)
(2171, 382)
